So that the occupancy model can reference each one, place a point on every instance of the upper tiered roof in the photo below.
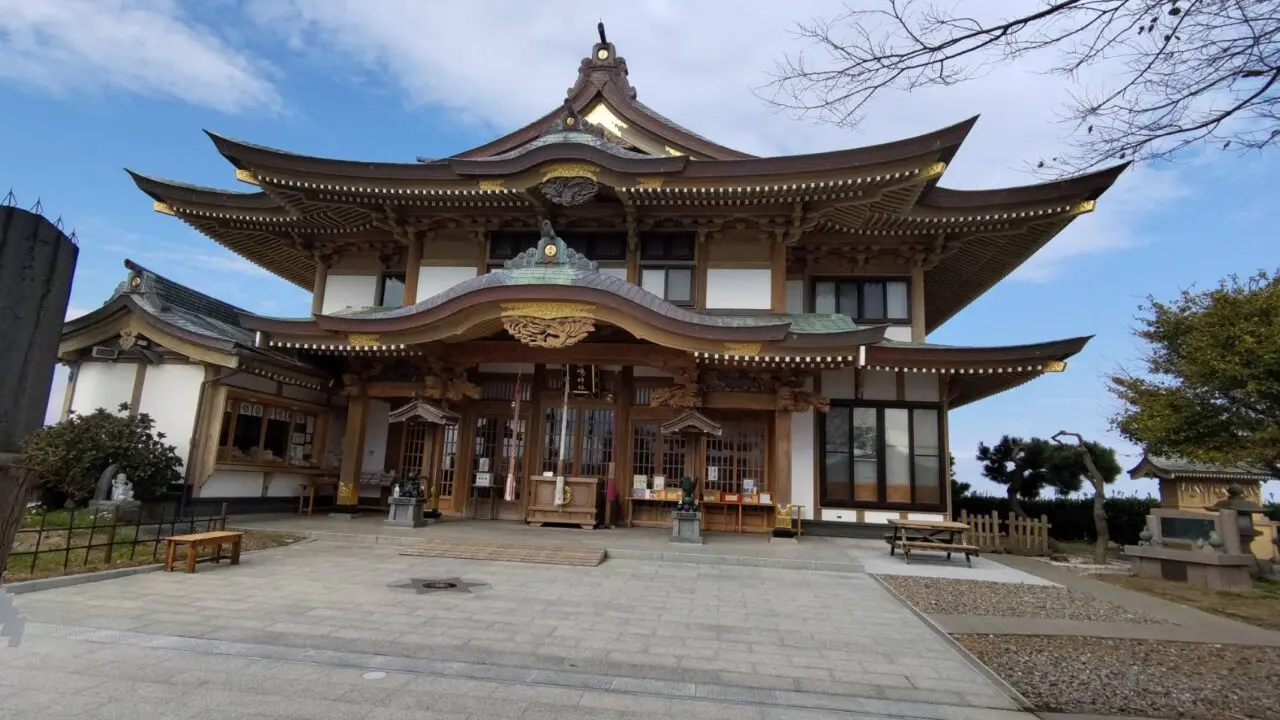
(845, 204)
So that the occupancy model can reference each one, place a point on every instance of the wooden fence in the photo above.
(1021, 535)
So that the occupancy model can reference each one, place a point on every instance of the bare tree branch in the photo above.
(1190, 72)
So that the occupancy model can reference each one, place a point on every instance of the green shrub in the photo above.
(1071, 519)
(69, 457)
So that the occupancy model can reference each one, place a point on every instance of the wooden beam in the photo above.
(353, 451)
(318, 287)
(475, 352)
(781, 457)
(139, 379)
(412, 266)
(68, 397)
(917, 304)
(778, 281)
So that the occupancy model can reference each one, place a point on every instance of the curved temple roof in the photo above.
(836, 204)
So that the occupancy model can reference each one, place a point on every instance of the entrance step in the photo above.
(712, 558)
(510, 552)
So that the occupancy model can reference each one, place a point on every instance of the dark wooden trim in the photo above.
(139, 379)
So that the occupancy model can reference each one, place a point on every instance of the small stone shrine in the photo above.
(686, 520)
(406, 505)
(1189, 492)
(114, 493)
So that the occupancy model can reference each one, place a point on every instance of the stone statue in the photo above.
(395, 491)
(121, 489)
(411, 488)
(688, 503)
(103, 491)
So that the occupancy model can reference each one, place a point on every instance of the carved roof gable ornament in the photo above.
(551, 252)
(604, 61)
(692, 421)
(419, 409)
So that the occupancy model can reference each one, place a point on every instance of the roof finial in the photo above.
(600, 29)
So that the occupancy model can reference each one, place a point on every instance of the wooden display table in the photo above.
(582, 507)
(307, 498)
(737, 517)
(654, 512)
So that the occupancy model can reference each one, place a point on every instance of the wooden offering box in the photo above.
(582, 506)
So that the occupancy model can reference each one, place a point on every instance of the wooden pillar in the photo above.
(917, 304)
(139, 378)
(353, 450)
(412, 267)
(945, 463)
(317, 289)
(533, 438)
(68, 397)
(778, 281)
(622, 397)
(781, 459)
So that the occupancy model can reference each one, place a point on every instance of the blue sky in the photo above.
(93, 86)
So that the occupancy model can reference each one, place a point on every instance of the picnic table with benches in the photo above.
(214, 539)
(934, 535)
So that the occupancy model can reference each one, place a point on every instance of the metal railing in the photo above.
(86, 539)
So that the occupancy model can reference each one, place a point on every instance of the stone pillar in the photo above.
(317, 289)
(353, 450)
(37, 261)
(412, 267)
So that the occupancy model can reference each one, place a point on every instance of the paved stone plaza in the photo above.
(343, 630)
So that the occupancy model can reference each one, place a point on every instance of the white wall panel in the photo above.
(171, 396)
(739, 288)
(377, 422)
(344, 291)
(105, 385)
(433, 280)
(803, 447)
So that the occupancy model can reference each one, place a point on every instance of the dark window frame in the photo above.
(881, 501)
(861, 281)
(667, 260)
(378, 297)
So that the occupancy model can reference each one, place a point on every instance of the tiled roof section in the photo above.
(570, 276)
(213, 320)
(1175, 467)
(581, 138)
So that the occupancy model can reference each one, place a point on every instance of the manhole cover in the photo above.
(422, 586)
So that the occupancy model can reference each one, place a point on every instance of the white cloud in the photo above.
(141, 46)
(504, 63)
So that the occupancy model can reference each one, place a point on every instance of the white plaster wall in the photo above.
(839, 384)
(879, 518)
(802, 449)
(926, 516)
(232, 483)
(795, 296)
(433, 280)
(286, 485)
(103, 385)
(839, 515)
(920, 387)
(739, 288)
(171, 396)
(879, 385)
(376, 422)
(344, 291)
(901, 333)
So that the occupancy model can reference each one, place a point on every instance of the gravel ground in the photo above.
(1135, 677)
(937, 596)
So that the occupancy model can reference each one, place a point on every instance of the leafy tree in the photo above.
(1100, 467)
(1211, 392)
(1027, 467)
(1190, 72)
(69, 457)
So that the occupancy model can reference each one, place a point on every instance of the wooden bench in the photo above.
(194, 542)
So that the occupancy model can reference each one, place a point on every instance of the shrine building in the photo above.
(601, 295)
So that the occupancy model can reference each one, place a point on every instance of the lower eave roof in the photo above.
(1171, 468)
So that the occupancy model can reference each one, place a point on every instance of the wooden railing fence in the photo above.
(1023, 536)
